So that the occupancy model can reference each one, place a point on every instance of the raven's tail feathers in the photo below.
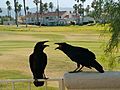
(97, 66)
(38, 83)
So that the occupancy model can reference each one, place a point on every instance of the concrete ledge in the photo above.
(92, 81)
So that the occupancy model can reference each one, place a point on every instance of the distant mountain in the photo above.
(33, 10)
(66, 9)
(61, 9)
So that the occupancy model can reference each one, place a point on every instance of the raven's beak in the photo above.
(44, 41)
(56, 48)
(46, 45)
(57, 43)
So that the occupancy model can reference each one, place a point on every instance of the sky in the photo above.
(62, 3)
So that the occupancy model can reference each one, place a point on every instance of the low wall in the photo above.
(92, 81)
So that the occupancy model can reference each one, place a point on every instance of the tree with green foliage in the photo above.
(41, 7)
(75, 7)
(51, 6)
(41, 11)
(16, 12)
(95, 6)
(24, 4)
(19, 9)
(87, 10)
(83, 1)
(80, 9)
(36, 3)
(8, 7)
(0, 10)
(45, 7)
(111, 11)
(97, 12)
(0, 16)
(27, 9)
(114, 19)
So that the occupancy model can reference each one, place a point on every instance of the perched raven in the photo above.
(81, 56)
(38, 62)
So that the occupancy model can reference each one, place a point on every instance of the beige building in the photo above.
(48, 19)
(52, 19)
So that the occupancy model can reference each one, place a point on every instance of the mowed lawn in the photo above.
(16, 44)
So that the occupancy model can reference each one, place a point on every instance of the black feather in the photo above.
(38, 62)
(81, 56)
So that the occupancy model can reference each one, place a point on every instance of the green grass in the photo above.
(23, 86)
(16, 44)
(8, 74)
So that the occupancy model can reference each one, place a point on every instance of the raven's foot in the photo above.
(78, 71)
(36, 80)
(75, 71)
(44, 76)
(72, 71)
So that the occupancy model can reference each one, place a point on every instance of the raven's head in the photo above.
(40, 46)
(61, 46)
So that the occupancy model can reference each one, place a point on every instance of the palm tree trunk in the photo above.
(41, 12)
(83, 14)
(16, 13)
(37, 13)
(25, 11)
(8, 12)
(58, 12)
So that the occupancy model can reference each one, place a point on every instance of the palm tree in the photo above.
(1, 16)
(83, 3)
(9, 9)
(80, 9)
(19, 9)
(24, 4)
(41, 11)
(87, 10)
(75, 9)
(36, 3)
(41, 7)
(77, 1)
(83, 10)
(0, 10)
(51, 6)
(16, 12)
(8, 4)
(45, 7)
(95, 6)
(27, 8)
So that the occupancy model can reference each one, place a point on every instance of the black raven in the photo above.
(38, 62)
(81, 56)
